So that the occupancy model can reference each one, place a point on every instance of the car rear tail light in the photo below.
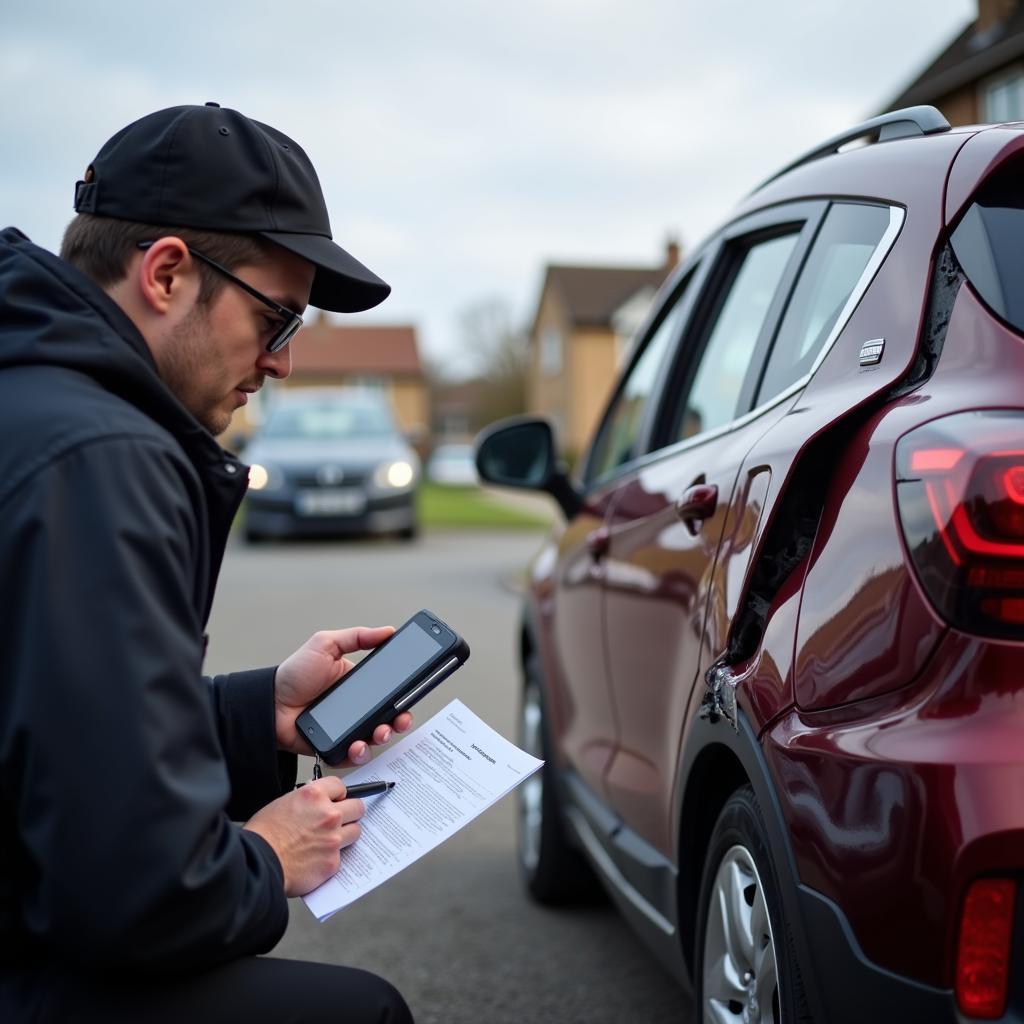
(960, 491)
(983, 954)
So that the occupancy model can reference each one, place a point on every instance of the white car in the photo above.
(453, 464)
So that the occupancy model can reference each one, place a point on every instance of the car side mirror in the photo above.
(520, 452)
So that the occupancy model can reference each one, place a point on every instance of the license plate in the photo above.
(330, 501)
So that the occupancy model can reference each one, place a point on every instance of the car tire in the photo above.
(746, 967)
(554, 871)
(409, 533)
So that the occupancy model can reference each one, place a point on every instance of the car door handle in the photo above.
(598, 542)
(696, 505)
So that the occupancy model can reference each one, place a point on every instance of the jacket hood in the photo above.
(54, 315)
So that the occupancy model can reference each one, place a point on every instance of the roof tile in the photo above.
(592, 294)
(969, 57)
(324, 347)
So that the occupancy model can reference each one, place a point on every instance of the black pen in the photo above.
(368, 789)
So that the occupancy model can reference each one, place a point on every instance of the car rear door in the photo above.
(664, 528)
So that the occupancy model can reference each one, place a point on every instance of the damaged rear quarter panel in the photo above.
(864, 627)
(802, 451)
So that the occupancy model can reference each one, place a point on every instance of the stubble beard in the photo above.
(188, 362)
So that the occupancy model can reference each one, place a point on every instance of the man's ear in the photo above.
(167, 275)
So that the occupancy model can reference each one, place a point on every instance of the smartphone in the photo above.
(390, 679)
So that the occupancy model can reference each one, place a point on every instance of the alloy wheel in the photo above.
(531, 793)
(740, 983)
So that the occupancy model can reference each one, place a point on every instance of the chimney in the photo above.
(992, 12)
(672, 253)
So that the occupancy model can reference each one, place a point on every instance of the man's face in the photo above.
(218, 355)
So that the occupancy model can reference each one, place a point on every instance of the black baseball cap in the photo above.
(214, 169)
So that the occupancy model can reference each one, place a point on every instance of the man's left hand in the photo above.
(317, 664)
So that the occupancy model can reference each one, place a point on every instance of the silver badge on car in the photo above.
(871, 352)
(329, 476)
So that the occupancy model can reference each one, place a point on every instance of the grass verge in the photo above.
(441, 507)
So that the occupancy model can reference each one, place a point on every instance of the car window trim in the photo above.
(696, 271)
(777, 311)
(657, 454)
(711, 251)
(806, 216)
(897, 216)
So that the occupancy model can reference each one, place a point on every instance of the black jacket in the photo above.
(121, 767)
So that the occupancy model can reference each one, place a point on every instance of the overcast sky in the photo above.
(463, 145)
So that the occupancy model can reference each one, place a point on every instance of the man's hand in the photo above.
(317, 664)
(307, 829)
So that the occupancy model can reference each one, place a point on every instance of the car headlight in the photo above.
(263, 477)
(394, 476)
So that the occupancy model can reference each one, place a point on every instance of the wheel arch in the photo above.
(716, 773)
(718, 759)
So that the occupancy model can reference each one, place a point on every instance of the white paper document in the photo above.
(447, 771)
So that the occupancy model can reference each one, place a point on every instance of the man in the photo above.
(126, 891)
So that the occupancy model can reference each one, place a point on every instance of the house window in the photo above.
(367, 382)
(1002, 97)
(550, 351)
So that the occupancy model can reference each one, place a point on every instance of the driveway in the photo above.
(455, 932)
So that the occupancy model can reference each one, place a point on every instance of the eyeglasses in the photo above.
(290, 320)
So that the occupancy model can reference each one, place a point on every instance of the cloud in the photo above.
(462, 145)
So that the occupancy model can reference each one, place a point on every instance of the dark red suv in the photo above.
(775, 655)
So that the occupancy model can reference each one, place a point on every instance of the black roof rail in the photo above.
(897, 124)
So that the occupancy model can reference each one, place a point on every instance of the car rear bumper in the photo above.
(852, 987)
(895, 806)
(857, 990)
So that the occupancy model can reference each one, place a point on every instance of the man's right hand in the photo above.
(307, 830)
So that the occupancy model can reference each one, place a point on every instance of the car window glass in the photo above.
(847, 239)
(987, 243)
(715, 391)
(617, 441)
(327, 422)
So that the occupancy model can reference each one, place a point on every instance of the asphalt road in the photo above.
(455, 932)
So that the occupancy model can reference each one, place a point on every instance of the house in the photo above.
(383, 358)
(979, 77)
(453, 408)
(586, 317)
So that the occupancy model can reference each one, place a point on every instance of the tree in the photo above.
(497, 351)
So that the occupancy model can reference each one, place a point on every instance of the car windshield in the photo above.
(328, 422)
